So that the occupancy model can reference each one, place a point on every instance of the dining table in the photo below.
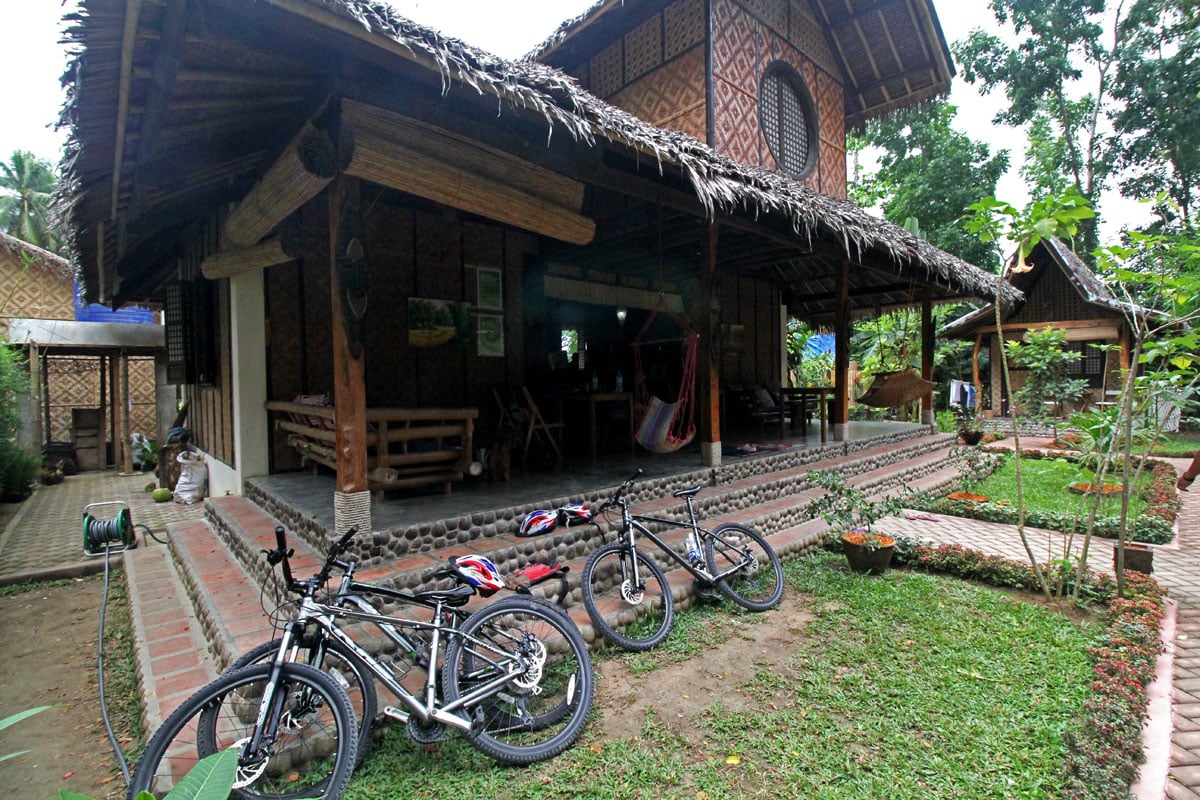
(797, 399)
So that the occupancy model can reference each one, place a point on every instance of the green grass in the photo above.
(904, 686)
(1178, 445)
(1045, 481)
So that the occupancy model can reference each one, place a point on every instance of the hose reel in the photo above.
(108, 533)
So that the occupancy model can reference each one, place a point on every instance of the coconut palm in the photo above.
(26, 186)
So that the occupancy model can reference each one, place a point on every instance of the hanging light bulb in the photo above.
(621, 314)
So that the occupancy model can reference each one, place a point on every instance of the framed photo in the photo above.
(490, 335)
(489, 289)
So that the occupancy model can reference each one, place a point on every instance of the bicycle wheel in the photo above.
(347, 671)
(308, 747)
(758, 585)
(543, 707)
(635, 617)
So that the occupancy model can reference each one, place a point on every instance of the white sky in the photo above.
(32, 61)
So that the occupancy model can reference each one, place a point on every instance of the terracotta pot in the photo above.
(971, 437)
(967, 497)
(1138, 558)
(870, 561)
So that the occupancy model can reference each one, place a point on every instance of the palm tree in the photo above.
(26, 186)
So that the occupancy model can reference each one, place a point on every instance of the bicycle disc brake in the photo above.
(632, 594)
(533, 651)
(248, 773)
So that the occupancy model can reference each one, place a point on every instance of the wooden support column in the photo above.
(45, 431)
(36, 395)
(927, 353)
(841, 352)
(352, 499)
(709, 383)
(126, 458)
(976, 378)
(114, 411)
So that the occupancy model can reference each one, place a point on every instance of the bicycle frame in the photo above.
(636, 522)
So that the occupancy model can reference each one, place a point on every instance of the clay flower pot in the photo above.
(971, 437)
(968, 497)
(868, 553)
(1138, 558)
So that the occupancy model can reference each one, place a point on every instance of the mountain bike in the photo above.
(514, 677)
(624, 585)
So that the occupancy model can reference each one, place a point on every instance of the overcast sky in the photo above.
(32, 61)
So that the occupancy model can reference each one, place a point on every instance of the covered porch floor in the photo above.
(310, 496)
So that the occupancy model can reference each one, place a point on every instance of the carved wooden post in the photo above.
(841, 353)
(347, 263)
(709, 370)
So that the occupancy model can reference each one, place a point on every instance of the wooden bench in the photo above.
(406, 447)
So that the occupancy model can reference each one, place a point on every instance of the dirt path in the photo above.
(48, 657)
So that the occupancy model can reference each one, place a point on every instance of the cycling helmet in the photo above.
(538, 522)
(480, 573)
(574, 514)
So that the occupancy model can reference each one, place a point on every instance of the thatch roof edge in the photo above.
(38, 257)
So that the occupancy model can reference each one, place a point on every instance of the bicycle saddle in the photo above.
(455, 596)
(695, 490)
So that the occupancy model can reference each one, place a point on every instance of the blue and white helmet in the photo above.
(538, 522)
(480, 572)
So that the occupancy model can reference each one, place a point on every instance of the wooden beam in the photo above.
(350, 392)
(128, 43)
(306, 166)
(235, 261)
(448, 168)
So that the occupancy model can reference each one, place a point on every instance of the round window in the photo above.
(788, 118)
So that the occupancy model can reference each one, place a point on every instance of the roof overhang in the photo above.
(87, 337)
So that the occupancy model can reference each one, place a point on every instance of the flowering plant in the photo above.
(966, 420)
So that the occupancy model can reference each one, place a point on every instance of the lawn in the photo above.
(906, 686)
(1045, 482)
(1178, 445)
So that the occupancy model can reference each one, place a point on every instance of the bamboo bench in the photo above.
(406, 447)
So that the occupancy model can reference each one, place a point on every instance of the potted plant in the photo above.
(851, 513)
(973, 465)
(968, 423)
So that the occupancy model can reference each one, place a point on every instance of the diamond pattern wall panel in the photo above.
(735, 46)
(683, 26)
(833, 171)
(772, 13)
(807, 36)
(35, 293)
(736, 123)
(606, 71)
(668, 92)
(643, 48)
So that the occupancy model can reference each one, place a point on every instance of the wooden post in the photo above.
(114, 411)
(841, 351)
(349, 393)
(35, 395)
(975, 376)
(708, 371)
(927, 353)
(105, 375)
(126, 457)
(45, 430)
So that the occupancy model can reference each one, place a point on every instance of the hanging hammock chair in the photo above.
(665, 427)
(891, 389)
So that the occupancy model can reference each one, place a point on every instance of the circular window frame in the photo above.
(793, 79)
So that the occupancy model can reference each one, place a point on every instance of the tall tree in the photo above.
(1045, 82)
(26, 186)
(930, 172)
(1159, 123)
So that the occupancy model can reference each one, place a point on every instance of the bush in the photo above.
(18, 469)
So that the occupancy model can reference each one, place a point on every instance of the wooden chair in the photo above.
(535, 423)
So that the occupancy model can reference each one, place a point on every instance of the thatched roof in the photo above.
(891, 55)
(19, 249)
(217, 135)
(1048, 254)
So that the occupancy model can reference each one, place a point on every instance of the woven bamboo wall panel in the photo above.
(737, 132)
(74, 382)
(806, 34)
(1054, 298)
(668, 93)
(827, 94)
(833, 171)
(606, 73)
(34, 293)
(736, 47)
(683, 27)
(694, 123)
(643, 48)
(772, 13)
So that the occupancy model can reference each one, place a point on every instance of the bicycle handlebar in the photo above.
(282, 553)
(625, 486)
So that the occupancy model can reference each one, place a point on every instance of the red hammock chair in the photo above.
(665, 427)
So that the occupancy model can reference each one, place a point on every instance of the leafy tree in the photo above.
(930, 172)
(1041, 77)
(1157, 77)
(26, 186)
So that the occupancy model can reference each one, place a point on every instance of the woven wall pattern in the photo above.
(668, 93)
(806, 35)
(737, 132)
(772, 13)
(74, 382)
(683, 26)
(33, 292)
(605, 70)
(643, 48)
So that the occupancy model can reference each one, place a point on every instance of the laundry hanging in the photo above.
(664, 426)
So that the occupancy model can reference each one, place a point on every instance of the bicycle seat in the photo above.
(695, 490)
(455, 596)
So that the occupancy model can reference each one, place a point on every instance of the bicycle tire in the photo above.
(649, 608)
(523, 720)
(347, 671)
(314, 721)
(758, 586)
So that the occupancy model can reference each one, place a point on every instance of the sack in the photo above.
(193, 478)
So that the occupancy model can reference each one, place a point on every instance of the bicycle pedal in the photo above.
(704, 590)
(395, 713)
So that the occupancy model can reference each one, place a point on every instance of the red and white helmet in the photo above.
(538, 522)
(480, 573)
(574, 514)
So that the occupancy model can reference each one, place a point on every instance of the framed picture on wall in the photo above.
(489, 290)
(490, 335)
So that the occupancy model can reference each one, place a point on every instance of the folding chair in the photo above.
(536, 423)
